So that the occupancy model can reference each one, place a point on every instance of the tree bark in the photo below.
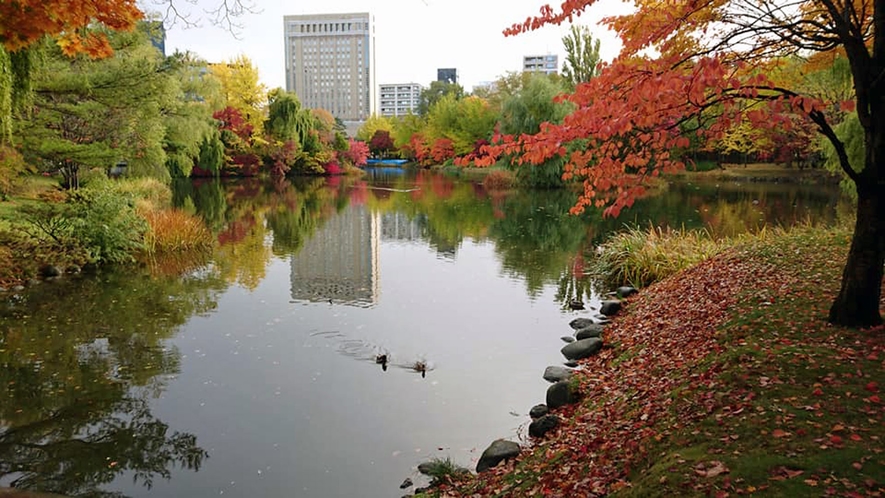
(857, 304)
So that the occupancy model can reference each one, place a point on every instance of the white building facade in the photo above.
(330, 63)
(399, 99)
(547, 64)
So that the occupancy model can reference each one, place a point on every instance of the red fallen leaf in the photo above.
(855, 437)
(722, 494)
(835, 439)
(778, 433)
(872, 387)
(857, 465)
(817, 392)
(874, 399)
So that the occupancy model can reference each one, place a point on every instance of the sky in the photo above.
(412, 37)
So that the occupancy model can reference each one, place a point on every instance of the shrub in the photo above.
(441, 469)
(149, 193)
(105, 223)
(173, 230)
(12, 169)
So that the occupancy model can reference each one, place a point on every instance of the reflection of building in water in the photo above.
(397, 226)
(340, 262)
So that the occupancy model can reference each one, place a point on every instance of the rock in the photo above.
(571, 364)
(407, 483)
(610, 308)
(74, 269)
(565, 338)
(556, 374)
(560, 394)
(538, 411)
(425, 468)
(496, 453)
(18, 288)
(34, 281)
(601, 319)
(543, 425)
(594, 330)
(50, 271)
(625, 291)
(581, 349)
(579, 323)
(576, 305)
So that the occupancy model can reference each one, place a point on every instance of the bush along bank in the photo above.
(722, 380)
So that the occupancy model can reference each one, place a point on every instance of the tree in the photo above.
(94, 113)
(242, 89)
(711, 69)
(371, 126)
(381, 143)
(435, 92)
(581, 56)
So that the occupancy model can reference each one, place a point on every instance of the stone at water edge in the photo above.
(589, 331)
(567, 338)
(543, 425)
(610, 308)
(556, 373)
(407, 483)
(571, 364)
(538, 411)
(579, 323)
(625, 291)
(496, 453)
(560, 394)
(584, 348)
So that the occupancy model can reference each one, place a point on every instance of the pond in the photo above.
(256, 374)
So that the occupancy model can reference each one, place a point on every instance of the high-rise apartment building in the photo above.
(330, 63)
(399, 99)
(547, 64)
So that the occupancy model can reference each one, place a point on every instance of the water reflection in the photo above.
(80, 362)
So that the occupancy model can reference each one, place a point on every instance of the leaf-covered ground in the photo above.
(724, 380)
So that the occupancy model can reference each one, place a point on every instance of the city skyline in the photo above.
(413, 37)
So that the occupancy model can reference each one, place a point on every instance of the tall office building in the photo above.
(547, 64)
(330, 63)
(399, 99)
(447, 74)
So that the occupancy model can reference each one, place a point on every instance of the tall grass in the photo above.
(640, 257)
(149, 193)
(173, 230)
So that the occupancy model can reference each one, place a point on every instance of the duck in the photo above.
(382, 359)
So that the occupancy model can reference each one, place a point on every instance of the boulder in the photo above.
(407, 483)
(565, 338)
(579, 323)
(594, 330)
(610, 308)
(584, 348)
(625, 291)
(426, 468)
(47, 271)
(556, 374)
(560, 394)
(538, 411)
(496, 453)
(543, 425)
(571, 364)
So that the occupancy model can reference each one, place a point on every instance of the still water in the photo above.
(255, 374)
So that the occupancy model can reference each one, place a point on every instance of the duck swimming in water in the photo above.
(382, 359)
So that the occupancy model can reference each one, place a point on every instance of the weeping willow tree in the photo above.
(286, 119)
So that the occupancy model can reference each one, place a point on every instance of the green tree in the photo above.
(371, 126)
(581, 56)
(464, 121)
(93, 113)
(435, 92)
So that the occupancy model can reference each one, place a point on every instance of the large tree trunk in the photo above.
(857, 304)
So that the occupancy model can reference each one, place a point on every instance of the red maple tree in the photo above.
(709, 73)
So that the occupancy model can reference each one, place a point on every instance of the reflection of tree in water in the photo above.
(79, 362)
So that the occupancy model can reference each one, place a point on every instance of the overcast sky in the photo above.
(412, 37)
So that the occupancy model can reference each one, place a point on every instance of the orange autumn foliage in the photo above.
(23, 22)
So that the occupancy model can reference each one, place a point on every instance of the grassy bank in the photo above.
(722, 380)
(46, 230)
